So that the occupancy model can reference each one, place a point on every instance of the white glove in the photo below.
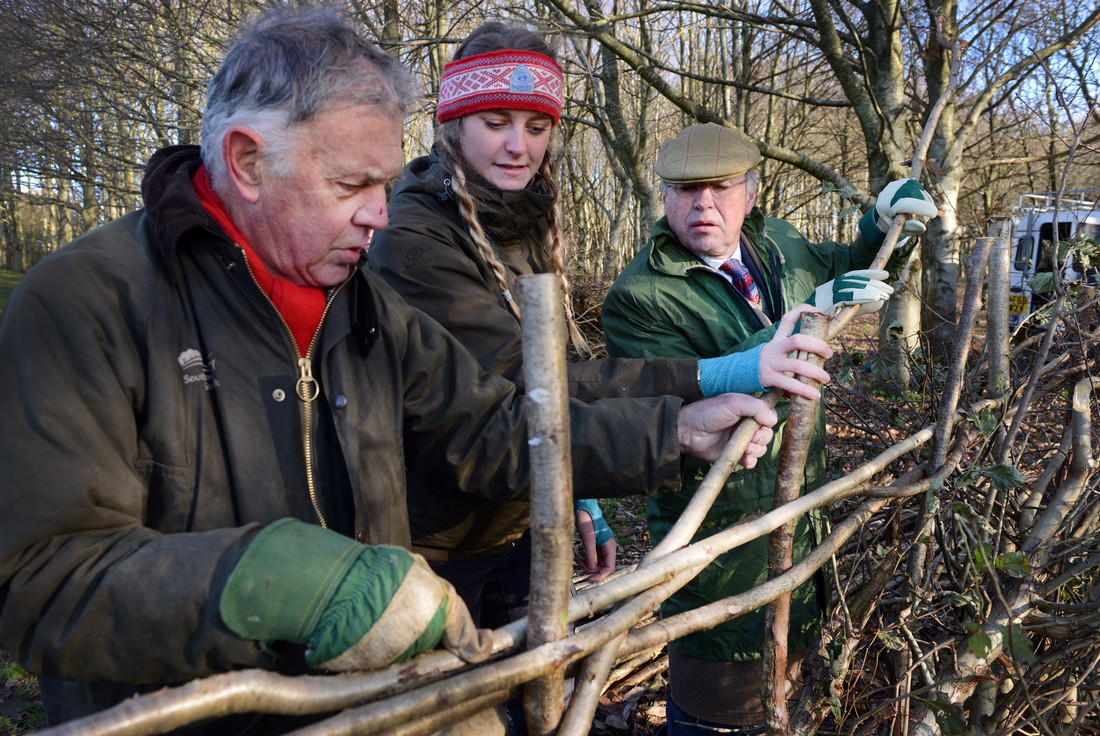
(866, 288)
(904, 197)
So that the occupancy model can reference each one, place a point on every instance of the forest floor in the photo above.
(21, 709)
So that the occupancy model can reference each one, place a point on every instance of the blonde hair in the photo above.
(450, 153)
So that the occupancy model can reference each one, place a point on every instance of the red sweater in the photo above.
(300, 306)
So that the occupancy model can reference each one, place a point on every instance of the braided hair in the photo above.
(488, 37)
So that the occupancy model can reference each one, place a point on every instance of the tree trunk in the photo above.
(898, 334)
(941, 255)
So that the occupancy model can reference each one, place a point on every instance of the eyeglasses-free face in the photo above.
(506, 146)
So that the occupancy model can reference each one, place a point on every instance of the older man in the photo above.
(209, 406)
(714, 279)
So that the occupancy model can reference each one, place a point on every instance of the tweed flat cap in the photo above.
(708, 152)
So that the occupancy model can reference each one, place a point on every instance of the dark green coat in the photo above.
(427, 255)
(667, 302)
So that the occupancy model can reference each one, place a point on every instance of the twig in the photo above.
(693, 514)
(828, 666)
(656, 667)
(589, 685)
(481, 720)
(963, 335)
(1032, 500)
(970, 667)
(712, 614)
(1081, 466)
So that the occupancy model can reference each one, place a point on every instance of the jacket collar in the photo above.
(171, 200)
(507, 217)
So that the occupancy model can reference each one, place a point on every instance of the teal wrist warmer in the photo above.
(599, 524)
(734, 373)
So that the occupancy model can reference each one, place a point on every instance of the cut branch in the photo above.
(797, 438)
(547, 400)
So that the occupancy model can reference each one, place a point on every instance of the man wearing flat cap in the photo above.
(714, 279)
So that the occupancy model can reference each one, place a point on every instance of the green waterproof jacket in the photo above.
(668, 302)
(427, 255)
(152, 427)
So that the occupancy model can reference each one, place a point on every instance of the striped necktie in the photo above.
(742, 280)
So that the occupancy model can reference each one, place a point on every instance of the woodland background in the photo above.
(996, 563)
(835, 92)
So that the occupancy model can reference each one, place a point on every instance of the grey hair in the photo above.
(289, 66)
(753, 178)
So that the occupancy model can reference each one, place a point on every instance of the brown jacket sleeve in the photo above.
(431, 266)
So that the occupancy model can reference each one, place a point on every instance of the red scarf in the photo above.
(300, 306)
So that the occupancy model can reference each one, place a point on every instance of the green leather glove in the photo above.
(901, 197)
(866, 288)
(354, 607)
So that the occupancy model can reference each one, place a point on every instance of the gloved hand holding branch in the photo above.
(864, 288)
(355, 607)
(901, 197)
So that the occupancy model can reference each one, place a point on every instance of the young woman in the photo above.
(464, 222)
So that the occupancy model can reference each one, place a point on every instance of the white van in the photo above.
(1078, 213)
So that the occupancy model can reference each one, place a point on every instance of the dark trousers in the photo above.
(495, 588)
(679, 723)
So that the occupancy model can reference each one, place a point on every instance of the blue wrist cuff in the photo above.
(599, 524)
(734, 373)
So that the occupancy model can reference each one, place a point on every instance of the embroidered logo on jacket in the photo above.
(195, 369)
(415, 255)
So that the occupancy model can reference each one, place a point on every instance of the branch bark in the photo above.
(544, 349)
(797, 437)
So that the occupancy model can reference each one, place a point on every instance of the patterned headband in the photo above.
(501, 80)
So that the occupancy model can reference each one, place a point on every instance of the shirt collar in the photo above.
(716, 262)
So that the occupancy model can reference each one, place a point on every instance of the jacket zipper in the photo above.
(306, 387)
(308, 390)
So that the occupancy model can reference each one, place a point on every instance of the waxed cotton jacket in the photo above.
(427, 255)
(152, 426)
(669, 302)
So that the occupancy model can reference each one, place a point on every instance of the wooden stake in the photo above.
(996, 333)
(547, 402)
(797, 437)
